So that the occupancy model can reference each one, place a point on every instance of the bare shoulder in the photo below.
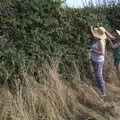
(102, 42)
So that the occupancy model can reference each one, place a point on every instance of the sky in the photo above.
(80, 3)
(75, 3)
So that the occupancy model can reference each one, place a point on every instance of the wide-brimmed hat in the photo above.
(98, 33)
(118, 32)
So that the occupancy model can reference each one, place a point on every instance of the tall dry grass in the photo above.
(51, 98)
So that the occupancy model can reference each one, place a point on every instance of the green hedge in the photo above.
(36, 31)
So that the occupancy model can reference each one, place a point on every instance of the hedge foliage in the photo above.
(35, 31)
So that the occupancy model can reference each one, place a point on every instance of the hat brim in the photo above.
(102, 37)
(99, 33)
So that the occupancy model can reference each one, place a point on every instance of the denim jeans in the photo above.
(99, 74)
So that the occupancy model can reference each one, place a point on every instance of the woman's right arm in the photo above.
(109, 35)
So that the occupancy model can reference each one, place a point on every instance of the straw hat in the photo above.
(99, 33)
(103, 29)
(118, 32)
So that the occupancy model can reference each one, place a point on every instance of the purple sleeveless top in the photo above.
(96, 57)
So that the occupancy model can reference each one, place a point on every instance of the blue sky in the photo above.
(79, 3)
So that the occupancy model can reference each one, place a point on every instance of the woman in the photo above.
(115, 44)
(97, 51)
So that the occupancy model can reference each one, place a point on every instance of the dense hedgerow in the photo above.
(36, 31)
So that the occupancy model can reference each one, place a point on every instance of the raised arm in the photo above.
(109, 35)
(92, 30)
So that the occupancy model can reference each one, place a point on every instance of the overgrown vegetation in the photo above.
(44, 47)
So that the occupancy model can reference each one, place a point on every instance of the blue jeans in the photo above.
(99, 74)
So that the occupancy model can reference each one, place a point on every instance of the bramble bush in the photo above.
(33, 32)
